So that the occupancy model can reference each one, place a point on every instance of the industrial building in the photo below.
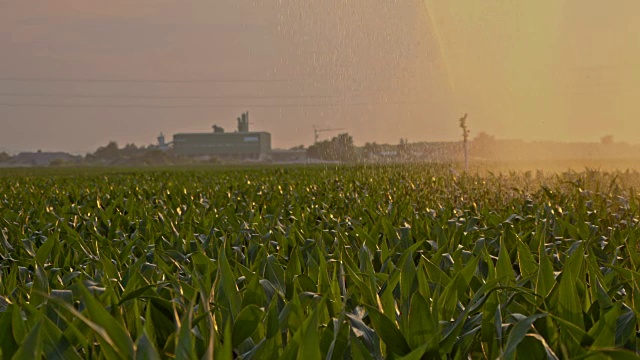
(241, 144)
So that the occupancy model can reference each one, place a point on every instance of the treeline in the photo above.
(339, 148)
(108, 155)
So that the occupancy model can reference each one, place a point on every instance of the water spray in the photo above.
(435, 29)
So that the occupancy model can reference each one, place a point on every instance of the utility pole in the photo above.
(465, 137)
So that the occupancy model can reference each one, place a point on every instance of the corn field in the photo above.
(382, 262)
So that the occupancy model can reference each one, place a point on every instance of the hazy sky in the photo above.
(75, 74)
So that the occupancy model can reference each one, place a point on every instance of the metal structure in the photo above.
(316, 132)
(243, 122)
(241, 144)
(162, 143)
(465, 137)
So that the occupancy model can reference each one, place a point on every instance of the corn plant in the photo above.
(382, 262)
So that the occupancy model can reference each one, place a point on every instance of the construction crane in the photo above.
(316, 132)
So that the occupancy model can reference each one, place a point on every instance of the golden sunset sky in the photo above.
(75, 74)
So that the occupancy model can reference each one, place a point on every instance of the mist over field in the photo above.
(76, 74)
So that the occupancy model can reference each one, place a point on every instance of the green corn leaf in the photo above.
(416, 354)
(45, 250)
(185, 347)
(145, 349)
(116, 335)
(8, 344)
(246, 324)
(423, 329)
(517, 334)
(31, 347)
(504, 268)
(604, 331)
(388, 332)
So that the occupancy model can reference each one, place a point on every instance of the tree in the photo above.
(372, 149)
(343, 147)
(111, 151)
(340, 148)
(484, 144)
(4, 157)
(607, 140)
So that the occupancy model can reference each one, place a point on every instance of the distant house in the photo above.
(43, 158)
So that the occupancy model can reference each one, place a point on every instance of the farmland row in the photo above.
(321, 262)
